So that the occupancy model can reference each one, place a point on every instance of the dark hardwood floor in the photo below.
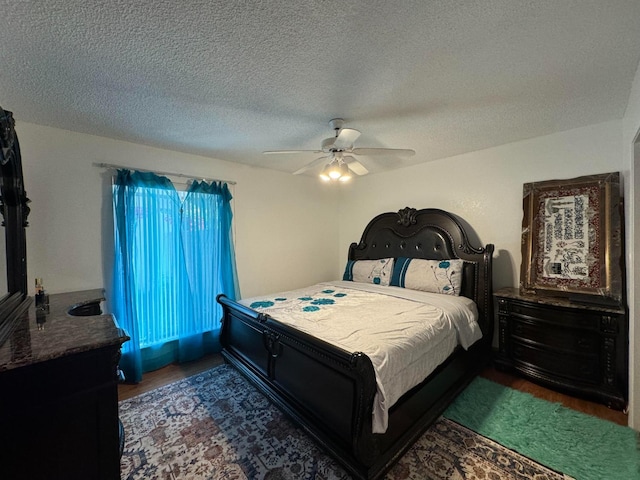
(169, 374)
(584, 406)
(173, 373)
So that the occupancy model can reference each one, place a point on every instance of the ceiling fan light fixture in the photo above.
(335, 171)
(324, 174)
(347, 176)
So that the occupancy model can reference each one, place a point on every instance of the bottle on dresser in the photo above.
(42, 299)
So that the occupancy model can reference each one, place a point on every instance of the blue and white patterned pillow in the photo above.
(436, 276)
(369, 271)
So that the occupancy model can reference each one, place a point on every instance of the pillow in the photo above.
(435, 276)
(369, 271)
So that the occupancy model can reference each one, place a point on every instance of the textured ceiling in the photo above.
(228, 79)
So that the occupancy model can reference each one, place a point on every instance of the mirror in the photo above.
(14, 210)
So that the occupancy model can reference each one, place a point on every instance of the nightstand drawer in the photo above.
(576, 318)
(569, 340)
(583, 368)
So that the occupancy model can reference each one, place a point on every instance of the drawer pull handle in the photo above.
(583, 342)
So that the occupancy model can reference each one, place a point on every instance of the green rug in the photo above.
(582, 446)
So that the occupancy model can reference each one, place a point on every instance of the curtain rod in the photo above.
(173, 174)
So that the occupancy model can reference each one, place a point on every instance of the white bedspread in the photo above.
(406, 333)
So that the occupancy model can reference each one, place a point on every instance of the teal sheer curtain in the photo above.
(173, 255)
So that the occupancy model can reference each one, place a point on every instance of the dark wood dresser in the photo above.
(577, 348)
(58, 393)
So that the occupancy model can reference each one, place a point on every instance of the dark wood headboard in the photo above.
(432, 234)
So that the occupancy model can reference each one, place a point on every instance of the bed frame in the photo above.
(329, 391)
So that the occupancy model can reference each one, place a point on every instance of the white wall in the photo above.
(484, 188)
(278, 218)
(631, 127)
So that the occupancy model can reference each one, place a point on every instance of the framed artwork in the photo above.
(572, 238)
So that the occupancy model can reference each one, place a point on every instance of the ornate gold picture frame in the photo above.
(572, 237)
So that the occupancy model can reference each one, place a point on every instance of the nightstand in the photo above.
(581, 349)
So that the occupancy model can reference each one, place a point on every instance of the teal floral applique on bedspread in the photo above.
(307, 303)
(323, 301)
(262, 304)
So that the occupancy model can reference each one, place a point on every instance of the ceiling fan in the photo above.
(339, 151)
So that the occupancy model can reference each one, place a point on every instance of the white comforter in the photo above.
(406, 333)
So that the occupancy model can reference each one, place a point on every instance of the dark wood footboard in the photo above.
(327, 390)
(330, 392)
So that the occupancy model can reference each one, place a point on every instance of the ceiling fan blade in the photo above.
(309, 166)
(345, 138)
(355, 166)
(383, 151)
(284, 152)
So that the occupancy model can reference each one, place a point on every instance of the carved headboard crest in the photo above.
(407, 216)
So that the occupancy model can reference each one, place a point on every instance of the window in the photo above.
(174, 255)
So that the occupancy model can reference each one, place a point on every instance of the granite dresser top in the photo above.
(547, 299)
(42, 336)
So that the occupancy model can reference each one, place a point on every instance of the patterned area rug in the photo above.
(216, 425)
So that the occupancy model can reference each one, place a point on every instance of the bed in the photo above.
(331, 390)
